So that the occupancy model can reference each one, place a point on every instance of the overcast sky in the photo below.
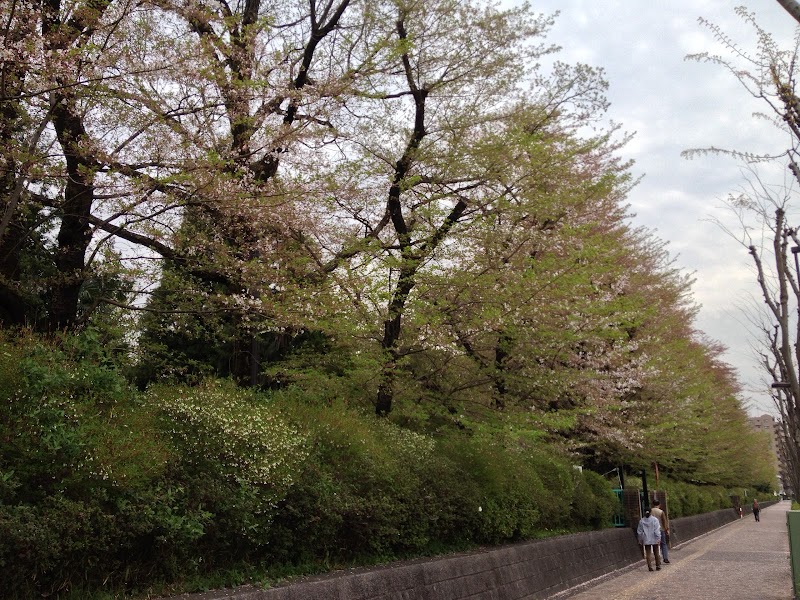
(673, 104)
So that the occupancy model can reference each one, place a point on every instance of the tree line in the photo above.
(351, 264)
(394, 199)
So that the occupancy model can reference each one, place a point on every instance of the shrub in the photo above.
(75, 442)
(524, 491)
(594, 503)
(685, 499)
(58, 415)
(55, 545)
(234, 456)
(104, 487)
(557, 475)
(225, 429)
(359, 493)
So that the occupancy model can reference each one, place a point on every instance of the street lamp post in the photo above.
(646, 500)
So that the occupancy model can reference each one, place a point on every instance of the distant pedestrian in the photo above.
(659, 514)
(756, 510)
(741, 512)
(649, 534)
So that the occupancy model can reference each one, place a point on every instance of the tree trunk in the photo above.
(383, 403)
(392, 328)
(74, 234)
(12, 231)
(500, 356)
(792, 7)
(783, 340)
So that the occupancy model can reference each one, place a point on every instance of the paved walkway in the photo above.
(744, 560)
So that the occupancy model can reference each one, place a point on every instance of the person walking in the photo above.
(661, 515)
(756, 510)
(649, 534)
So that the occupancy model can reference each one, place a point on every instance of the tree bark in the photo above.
(785, 353)
(500, 358)
(792, 7)
(74, 234)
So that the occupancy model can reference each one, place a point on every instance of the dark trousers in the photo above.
(649, 551)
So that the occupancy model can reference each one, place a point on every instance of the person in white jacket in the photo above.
(649, 534)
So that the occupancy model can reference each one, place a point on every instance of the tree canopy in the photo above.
(394, 202)
(309, 283)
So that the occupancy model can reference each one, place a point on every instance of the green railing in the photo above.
(619, 517)
(793, 525)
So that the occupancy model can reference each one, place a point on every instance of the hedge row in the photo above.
(104, 489)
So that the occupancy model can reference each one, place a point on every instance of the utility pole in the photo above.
(646, 500)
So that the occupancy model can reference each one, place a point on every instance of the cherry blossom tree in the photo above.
(52, 63)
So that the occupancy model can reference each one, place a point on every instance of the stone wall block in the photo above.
(529, 570)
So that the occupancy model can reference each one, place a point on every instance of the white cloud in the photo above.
(673, 105)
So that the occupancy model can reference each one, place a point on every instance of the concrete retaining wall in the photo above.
(686, 528)
(531, 570)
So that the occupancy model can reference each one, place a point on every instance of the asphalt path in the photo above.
(744, 560)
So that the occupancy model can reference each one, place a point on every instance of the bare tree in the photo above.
(770, 75)
(781, 292)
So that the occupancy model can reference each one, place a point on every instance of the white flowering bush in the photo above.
(227, 432)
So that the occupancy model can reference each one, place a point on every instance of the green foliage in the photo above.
(105, 490)
(77, 447)
(233, 459)
(371, 488)
(511, 498)
(184, 346)
(321, 371)
(65, 420)
(49, 546)
(481, 273)
(100, 487)
(222, 428)
(685, 500)
(594, 502)
(364, 485)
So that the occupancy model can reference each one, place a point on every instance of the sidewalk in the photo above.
(744, 560)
